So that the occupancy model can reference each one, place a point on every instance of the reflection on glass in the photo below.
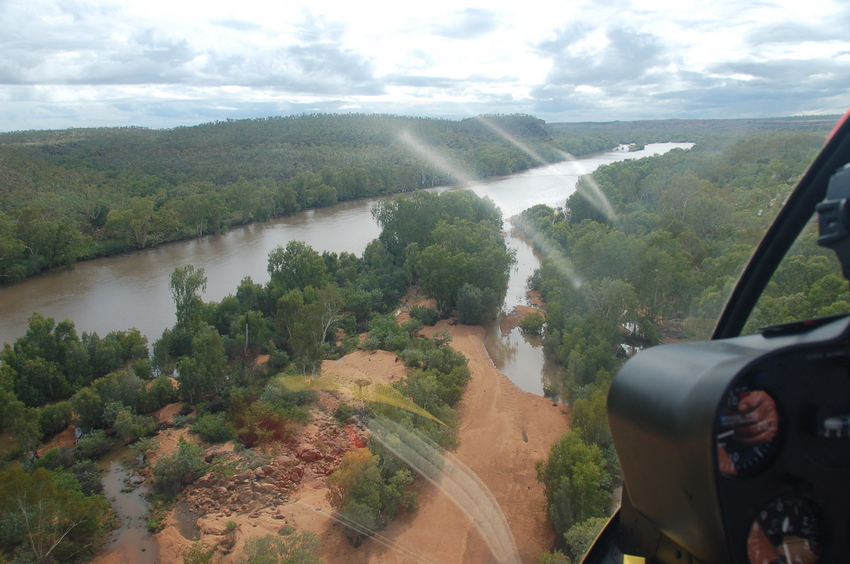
(748, 425)
(786, 530)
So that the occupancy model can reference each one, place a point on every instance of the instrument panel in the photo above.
(782, 434)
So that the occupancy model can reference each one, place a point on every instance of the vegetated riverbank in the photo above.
(503, 432)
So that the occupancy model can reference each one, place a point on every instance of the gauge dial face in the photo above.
(747, 433)
(786, 530)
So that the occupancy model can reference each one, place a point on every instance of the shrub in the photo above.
(300, 548)
(173, 472)
(425, 315)
(55, 418)
(198, 553)
(343, 413)
(581, 535)
(532, 323)
(131, 427)
(261, 423)
(212, 428)
(365, 499)
(93, 445)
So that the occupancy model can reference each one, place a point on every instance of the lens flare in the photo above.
(434, 158)
(512, 140)
(454, 479)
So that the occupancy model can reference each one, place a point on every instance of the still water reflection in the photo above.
(131, 290)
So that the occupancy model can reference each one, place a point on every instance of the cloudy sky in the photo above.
(162, 63)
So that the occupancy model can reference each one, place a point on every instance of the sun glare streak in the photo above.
(369, 393)
(590, 191)
(563, 264)
(594, 194)
(512, 140)
(374, 535)
(456, 480)
(434, 158)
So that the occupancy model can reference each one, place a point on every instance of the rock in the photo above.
(284, 461)
(220, 491)
(259, 474)
(245, 497)
(265, 489)
(269, 469)
(310, 455)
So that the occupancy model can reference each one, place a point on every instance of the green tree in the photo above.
(574, 480)
(187, 284)
(204, 374)
(22, 425)
(45, 518)
(580, 537)
(365, 501)
(297, 266)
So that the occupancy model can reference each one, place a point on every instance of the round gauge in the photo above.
(786, 530)
(747, 431)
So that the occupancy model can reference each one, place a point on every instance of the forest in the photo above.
(76, 194)
(646, 252)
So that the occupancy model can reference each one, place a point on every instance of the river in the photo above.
(131, 290)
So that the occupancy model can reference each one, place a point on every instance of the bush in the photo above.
(131, 427)
(173, 472)
(55, 418)
(581, 535)
(198, 553)
(343, 413)
(299, 548)
(532, 323)
(261, 423)
(159, 393)
(212, 428)
(425, 315)
(93, 445)
(366, 500)
(475, 306)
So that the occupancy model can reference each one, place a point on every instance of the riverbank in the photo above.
(503, 432)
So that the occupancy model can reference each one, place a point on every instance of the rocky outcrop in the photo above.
(241, 484)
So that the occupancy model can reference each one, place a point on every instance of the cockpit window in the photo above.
(807, 284)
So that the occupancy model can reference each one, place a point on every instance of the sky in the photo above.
(167, 63)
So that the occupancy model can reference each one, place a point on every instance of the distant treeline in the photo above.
(75, 194)
(692, 130)
(81, 193)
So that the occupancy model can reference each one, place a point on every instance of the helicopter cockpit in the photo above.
(738, 449)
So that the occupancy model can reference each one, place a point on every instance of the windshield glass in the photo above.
(351, 283)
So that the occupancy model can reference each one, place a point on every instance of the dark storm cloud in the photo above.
(468, 23)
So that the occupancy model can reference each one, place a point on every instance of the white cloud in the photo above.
(67, 63)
